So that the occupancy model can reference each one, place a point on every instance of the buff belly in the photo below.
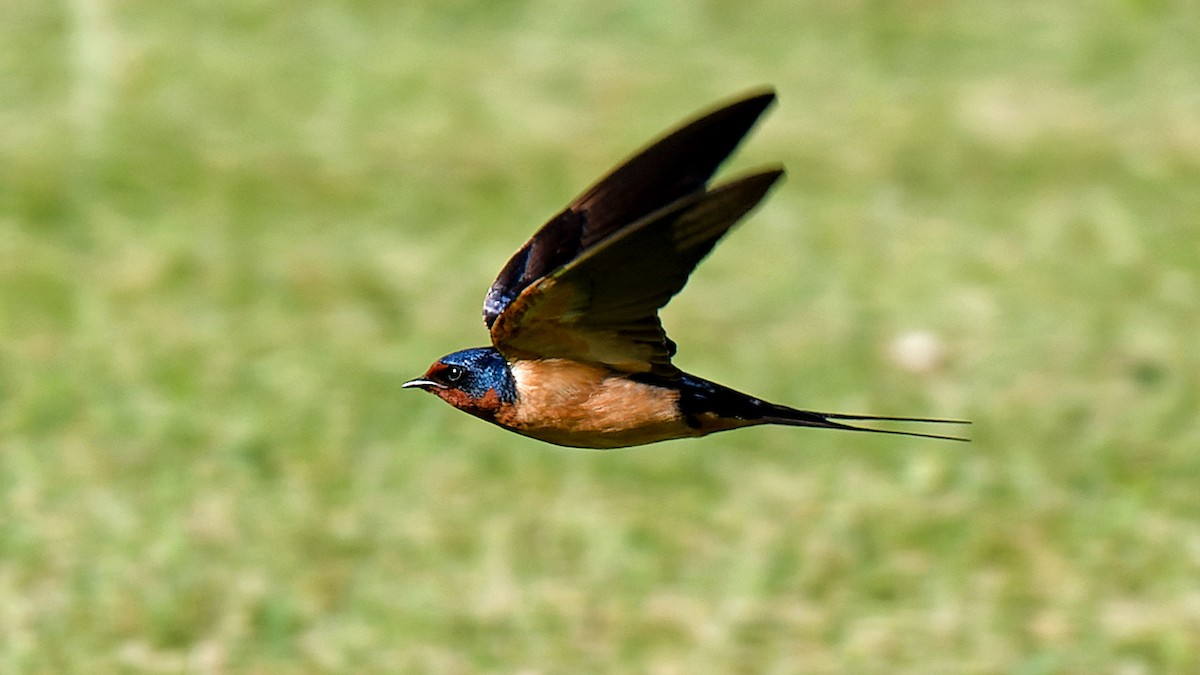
(584, 406)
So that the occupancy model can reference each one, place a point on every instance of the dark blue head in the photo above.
(474, 380)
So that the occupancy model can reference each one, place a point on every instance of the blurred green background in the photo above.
(230, 230)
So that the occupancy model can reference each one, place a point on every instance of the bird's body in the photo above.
(579, 356)
(577, 404)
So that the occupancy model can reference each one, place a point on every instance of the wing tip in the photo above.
(750, 104)
(759, 182)
(761, 95)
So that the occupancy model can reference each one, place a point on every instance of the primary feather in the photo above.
(675, 166)
(602, 307)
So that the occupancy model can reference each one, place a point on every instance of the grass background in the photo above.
(230, 230)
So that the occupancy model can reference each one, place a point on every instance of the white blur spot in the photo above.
(916, 351)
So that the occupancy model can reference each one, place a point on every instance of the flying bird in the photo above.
(579, 356)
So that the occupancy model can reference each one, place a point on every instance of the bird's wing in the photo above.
(602, 306)
(676, 166)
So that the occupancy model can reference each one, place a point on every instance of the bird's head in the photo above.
(477, 381)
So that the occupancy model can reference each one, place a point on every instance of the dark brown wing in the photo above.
(602, 307)
(678, 165)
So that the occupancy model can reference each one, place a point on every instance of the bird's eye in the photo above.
(455, 373)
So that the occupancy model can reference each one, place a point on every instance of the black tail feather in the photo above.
(807, 418)
(698, 397)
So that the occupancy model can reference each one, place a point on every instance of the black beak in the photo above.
(421, 383)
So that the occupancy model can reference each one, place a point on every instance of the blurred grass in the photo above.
(228, 231)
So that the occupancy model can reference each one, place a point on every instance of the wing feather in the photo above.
(602, 306)
(676, 166)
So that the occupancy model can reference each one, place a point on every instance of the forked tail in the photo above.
(779, 414)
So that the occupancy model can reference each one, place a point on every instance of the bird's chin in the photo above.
(419, 383)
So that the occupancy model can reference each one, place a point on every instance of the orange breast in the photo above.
(580, 405)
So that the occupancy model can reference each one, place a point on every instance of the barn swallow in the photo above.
(579, 356)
